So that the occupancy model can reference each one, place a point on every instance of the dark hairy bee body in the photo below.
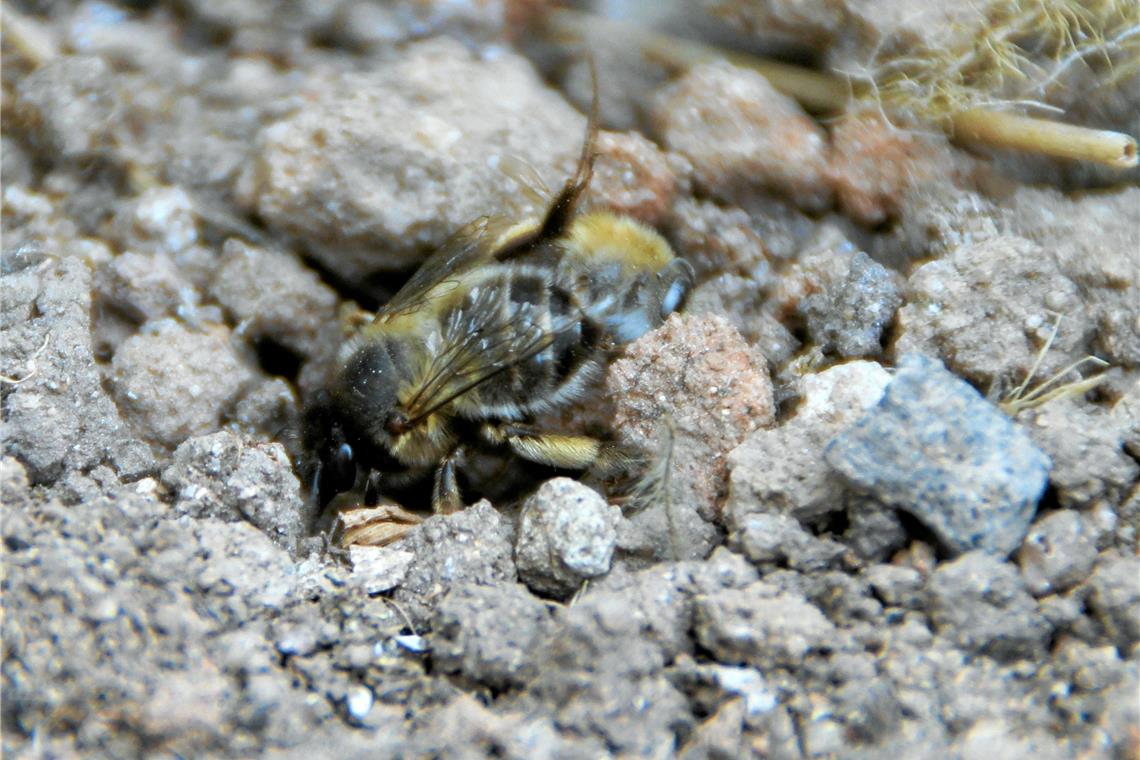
(503, 325)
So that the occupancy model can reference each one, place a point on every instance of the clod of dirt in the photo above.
(267, 409)
(223, 476)
(68, 106)
(874, 162)
(895, 585)
(490, 634)
(273, 296)
(467, 728)
(934, 447)
(133, 592)
(761, 625)
(986, 310)
(934, 221)
(715, 239)
(771, 539)
(603, 671)
(376, 569)
(742, 136)
(1114, 599)
(1085, 444)
(474, 545)
(741, 301)
(822, 261)
(177, 382)
(727, 394)
(1095, 238)
(567, 534)
(57, 416)
(144, 286)
(632, 177)
(848, 317)
(379, 169)
(782, 470)
(1058, 553)
(161, 220)
(980, 602)
(1126, 415)
(874, 530)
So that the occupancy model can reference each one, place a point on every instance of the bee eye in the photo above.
(681, 275)
(341, 469)
(343, 459)
(672, 299)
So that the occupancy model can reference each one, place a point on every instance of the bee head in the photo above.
(352, 424)
(331, 467)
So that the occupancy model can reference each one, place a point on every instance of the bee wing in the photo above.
(466, 249)
(480, 341)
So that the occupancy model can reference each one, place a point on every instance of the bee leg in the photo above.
(372, 489)
(571, 452)
(445, 496)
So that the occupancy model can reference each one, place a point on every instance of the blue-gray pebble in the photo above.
(934, 447)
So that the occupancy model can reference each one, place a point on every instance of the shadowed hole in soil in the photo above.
(916, 531)
(276, 359)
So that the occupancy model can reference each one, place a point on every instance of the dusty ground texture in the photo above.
(855, 549)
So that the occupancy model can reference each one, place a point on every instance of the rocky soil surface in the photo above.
(862, 539)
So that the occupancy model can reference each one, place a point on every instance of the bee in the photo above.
(503, 325)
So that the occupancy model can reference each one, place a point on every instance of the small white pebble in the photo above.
(359, 702)
(413, 643)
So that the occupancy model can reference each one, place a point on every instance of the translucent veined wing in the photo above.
(483, 338)
(468, 248)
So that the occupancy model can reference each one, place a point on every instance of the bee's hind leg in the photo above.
(570, 452)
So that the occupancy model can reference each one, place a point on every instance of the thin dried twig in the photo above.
(1049, 390)
(826, 93)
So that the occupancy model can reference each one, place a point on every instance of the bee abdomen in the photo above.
(557, 346)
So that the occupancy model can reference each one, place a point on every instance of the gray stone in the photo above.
(782, 469)
(1058, 553)
(934, 447)
(490, 634)
(849, 318)
(567, 534)
(981, 604)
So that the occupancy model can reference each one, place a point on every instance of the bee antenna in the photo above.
(561, 210)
